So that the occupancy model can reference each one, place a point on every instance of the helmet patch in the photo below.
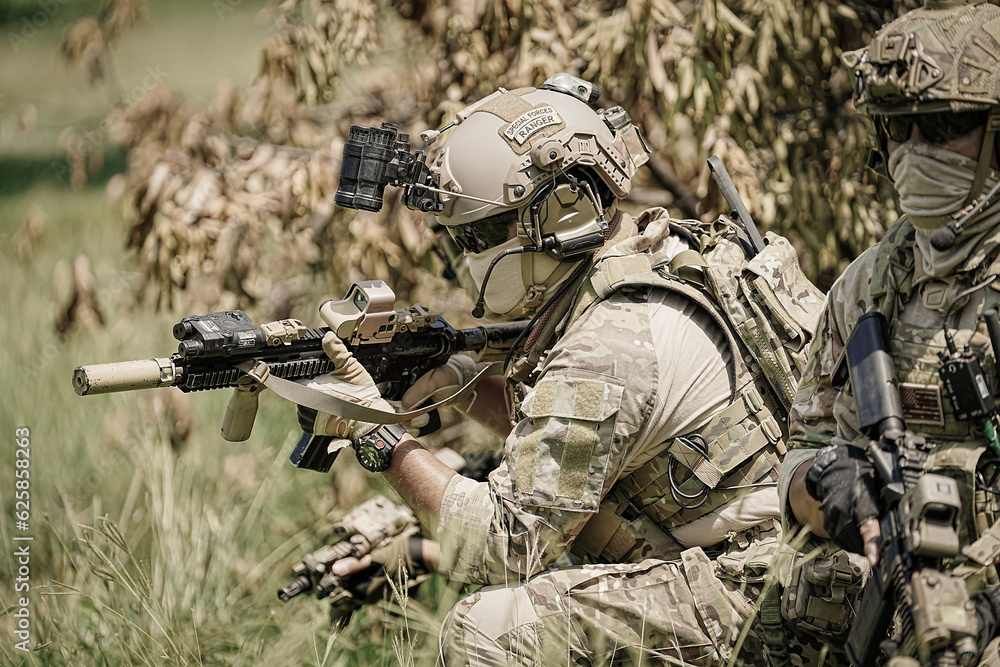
(530, 122)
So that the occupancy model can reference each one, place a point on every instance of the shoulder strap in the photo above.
(892, 277)
(611, 274)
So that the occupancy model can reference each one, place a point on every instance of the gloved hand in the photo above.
(364, 579)
(843, 480)
(987, 601)
(348, 377)
(438, 384)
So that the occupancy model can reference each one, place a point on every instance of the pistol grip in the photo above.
(433, 424)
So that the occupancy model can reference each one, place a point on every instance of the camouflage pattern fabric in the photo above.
(631, 373)
(653, 613)
(889, 277)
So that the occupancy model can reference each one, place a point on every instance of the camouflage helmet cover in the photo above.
(940, 57)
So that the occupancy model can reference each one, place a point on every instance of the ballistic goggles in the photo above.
(936, 127)
(481, 235)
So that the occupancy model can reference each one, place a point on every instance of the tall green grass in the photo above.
(148, 550)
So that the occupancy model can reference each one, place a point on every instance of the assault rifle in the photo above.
(919, 524)
(367, 527)
(370, 525)
(225, 349)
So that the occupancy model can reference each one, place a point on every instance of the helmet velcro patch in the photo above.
(530, 122)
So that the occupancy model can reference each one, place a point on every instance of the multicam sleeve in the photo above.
(558, 462)
(581, 421)
(823, 414)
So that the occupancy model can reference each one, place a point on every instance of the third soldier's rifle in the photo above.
(935, 619)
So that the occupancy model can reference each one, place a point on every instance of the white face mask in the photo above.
(932, 183)
(507, 287)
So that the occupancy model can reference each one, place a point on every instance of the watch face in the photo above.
(373, 453)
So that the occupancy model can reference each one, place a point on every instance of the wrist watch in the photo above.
(374, 451)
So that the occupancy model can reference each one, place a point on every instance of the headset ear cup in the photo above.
(574, 225)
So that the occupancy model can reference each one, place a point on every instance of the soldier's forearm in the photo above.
(420, 479)
(805, 508)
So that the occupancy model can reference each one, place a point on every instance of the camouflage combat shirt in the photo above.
(636, 370)
(889, 277)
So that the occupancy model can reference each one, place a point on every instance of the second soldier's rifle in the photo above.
(226, 349)
(369, 526)
(372, 524)
(935, 620)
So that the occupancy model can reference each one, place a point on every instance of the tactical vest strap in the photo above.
(892, 275)
(686, 259)
(774, 627)
(611, 274)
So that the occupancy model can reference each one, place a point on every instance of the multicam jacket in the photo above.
(634, 368)
(889, 278)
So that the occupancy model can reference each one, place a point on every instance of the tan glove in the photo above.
(348, 377)
(437, 384)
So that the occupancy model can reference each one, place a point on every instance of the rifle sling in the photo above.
(346, 406)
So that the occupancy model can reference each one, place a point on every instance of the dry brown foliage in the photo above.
(232, 204)
(74, 296)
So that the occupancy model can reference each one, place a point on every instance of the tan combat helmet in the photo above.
(544, 162)
(510, 148)
(939, 66)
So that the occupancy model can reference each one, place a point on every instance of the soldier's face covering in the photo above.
(933, 183)
(512, 275)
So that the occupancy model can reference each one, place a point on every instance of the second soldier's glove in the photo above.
(987, 603)
(348, 377)
(843, 480)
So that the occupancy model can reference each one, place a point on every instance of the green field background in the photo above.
(145, 550)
